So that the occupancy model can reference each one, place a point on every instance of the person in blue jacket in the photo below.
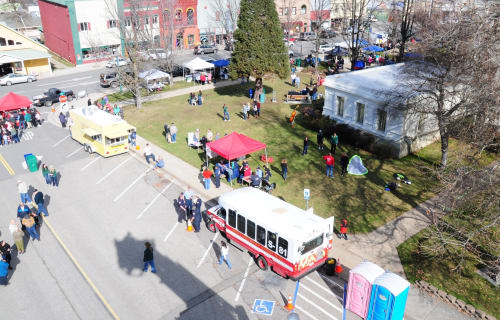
(4, 272)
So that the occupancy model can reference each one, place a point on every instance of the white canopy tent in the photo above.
(198, 64)
(153, 74)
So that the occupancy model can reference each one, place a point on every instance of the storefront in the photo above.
(25, 61)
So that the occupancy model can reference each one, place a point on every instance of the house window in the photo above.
(286, 11)
(84, 26)
(303, 9)
(178, 14)
(281, 11)
(11, 42)
(146, 20)
(421, 122)
(112, 24)
(166, 14)
(191, 39)
(128, 22)
(3, 42)
(190, 16)
(217, 16)
(361, 112)
(155, 19)
(382, 120)
(294, 10)
(340, 106)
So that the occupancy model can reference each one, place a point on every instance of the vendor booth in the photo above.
(155, 79)
(12, 101)
(388, 297)
(234, 146)
(197, 65)
(359, 290)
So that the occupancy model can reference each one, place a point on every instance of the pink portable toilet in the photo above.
(361, 279)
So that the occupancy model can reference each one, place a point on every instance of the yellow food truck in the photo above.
(99, 131)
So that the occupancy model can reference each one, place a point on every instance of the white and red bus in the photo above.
(281, 236)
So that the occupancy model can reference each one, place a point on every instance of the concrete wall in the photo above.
(57, 29)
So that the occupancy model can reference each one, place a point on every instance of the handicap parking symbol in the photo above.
(264, 307)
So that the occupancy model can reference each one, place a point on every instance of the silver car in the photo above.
(13, 78)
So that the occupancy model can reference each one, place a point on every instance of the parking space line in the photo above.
(317, 307)
(324, 289)
(244, 279)
(60, 141)
(6, 165)
(171, 231)
(321, 298)
(305, 312)
(88, 165)
(331, 281)
(130, 185)
(154, 200)
(208, 250)
(74, 152)
(114, 169)
(82, 272)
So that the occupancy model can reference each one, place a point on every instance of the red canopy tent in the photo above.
(14, 101)
(235, 145)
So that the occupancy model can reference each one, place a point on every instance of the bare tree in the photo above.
(225, 14)
(356, 25)
(456, 78)
(403, 18)
(320, 17)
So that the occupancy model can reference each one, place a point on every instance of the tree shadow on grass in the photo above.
(198, 298)
(242, 90)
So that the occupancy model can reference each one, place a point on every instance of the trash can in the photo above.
(31, 162)
(330, 266)
(297, 62)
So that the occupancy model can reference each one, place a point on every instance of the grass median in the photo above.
(360, 198)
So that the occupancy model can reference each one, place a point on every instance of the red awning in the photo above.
(14, 101)
(235, 145)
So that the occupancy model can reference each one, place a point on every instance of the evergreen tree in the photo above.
(259, 48)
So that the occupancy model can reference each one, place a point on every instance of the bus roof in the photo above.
(273, 213)
(98, 116)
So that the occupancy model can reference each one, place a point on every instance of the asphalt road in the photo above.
(85, 80)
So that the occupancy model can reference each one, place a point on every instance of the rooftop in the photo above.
(368, 82)
(279, 216)
(98, 116)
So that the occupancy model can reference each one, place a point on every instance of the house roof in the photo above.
(2, 25)
(367, 83)
(25, 54)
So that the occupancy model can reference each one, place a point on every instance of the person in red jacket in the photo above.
(207, 174)
(330, 162)
(343, 228)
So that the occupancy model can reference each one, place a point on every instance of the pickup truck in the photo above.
(52, 96)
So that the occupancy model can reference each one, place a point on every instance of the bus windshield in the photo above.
(312, 244)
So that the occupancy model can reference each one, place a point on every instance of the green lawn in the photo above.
(362, 199)
(467, 285)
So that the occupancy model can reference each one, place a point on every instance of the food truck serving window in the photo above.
(115, 141)
(313, 244)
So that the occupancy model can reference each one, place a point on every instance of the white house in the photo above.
(357, 99)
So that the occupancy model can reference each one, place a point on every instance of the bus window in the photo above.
(241, 224)
(282, 247)
(261, 235)
(271, 240)
(232, 219)
(222, 213)
(251, 229)
(313, 244)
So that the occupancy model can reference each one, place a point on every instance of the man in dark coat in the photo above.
(306, 145)
(197, 214)
(149, 258)
(38, 198)
(320, 138)
(5, 252)
(344, 161)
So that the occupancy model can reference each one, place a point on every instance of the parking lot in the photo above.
(102, 213)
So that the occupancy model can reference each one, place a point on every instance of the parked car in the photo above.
(304, 36)
(52, 96)
(119, 61)
(323, 48)
(109, 79)
(13, 78)
(155, 54)
(327, 34)
(204, 49)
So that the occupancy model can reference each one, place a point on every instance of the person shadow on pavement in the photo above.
(186, 285)
(14, 261)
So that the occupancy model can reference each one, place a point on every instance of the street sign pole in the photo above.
(307, 195)
(343, 302)
(296, 292)
(307, 204)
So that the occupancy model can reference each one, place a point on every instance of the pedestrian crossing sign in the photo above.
(264, 307)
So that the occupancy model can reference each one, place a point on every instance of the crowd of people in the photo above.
(13, 123)
(31, 206)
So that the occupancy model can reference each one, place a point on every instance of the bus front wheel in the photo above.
(211, 226)
(262, 263)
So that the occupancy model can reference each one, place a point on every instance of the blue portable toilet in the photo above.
(388, 297)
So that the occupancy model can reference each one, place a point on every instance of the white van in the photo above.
(304, 36)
